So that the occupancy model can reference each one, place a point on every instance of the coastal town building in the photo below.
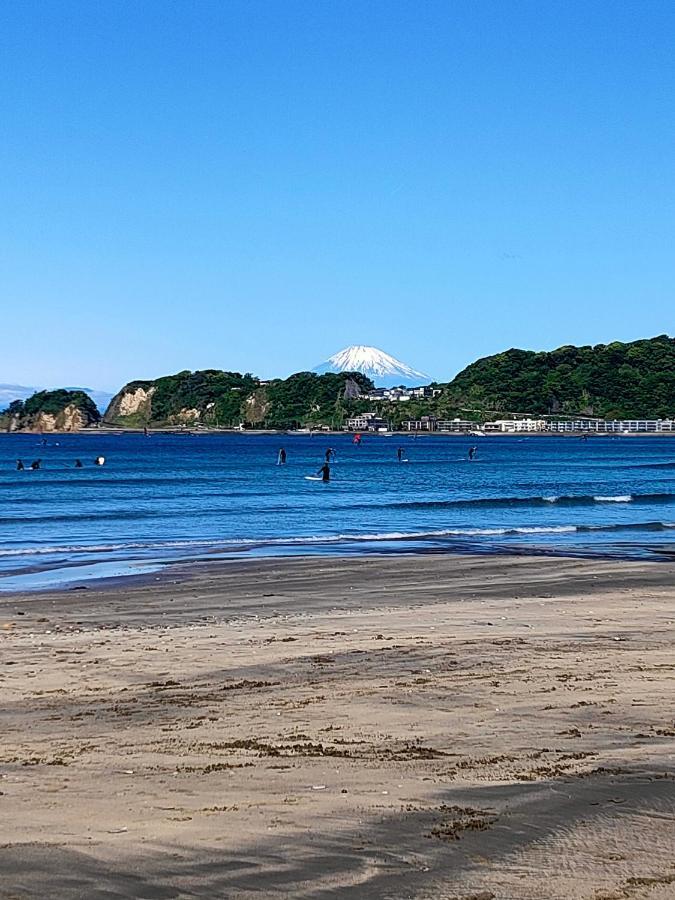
(367, 422)
(515, 425)
(614, 426)
(431, 423)
(370, 421)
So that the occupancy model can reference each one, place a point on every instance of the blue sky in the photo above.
(254, 185)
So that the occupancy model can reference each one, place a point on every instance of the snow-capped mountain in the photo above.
(384, 370)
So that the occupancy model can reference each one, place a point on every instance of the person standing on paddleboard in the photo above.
(324, 471)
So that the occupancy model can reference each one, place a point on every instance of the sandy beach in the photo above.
(411, 727)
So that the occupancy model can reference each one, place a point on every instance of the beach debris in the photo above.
(318, 787)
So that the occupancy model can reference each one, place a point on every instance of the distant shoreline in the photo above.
(198, 430)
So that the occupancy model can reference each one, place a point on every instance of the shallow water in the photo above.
(173, 497)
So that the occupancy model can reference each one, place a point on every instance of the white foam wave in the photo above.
(281, 541)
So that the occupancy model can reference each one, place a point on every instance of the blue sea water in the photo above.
(174, 497)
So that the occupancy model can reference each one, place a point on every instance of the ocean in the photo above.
(179, 497)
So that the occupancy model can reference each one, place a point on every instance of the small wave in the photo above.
(242, 543)
(545, 500)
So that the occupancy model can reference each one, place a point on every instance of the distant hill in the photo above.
(10, 392)
(619, 380)
(100, 398)
(225, 399)
(59, 410)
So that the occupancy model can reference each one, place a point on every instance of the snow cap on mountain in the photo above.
(384, 370)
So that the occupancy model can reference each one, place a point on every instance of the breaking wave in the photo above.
(242, 543)
(545, 500)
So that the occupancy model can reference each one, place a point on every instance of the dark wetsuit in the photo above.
(78, 463)
(324, 471)
(19, 465)
(36, 464)
(282, 457)
(399, 453)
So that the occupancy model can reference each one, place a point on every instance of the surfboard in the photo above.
(313, 478)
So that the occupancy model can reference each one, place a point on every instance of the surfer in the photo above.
(99, 460)
(357, 440)
(281, 458)
(19, 465)
(324, 471)
(399, 454)
(472, 452)
(78, 463)
(329, 453)
(36, 464)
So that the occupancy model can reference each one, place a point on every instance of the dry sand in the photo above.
(428, 727)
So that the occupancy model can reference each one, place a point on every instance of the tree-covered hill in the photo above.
(619, 380)
(226, 399)
(61, 410)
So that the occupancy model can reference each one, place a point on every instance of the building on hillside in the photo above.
(401, 394)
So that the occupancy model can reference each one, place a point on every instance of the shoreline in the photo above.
(437, 727)
(196, 430)
(179, 570)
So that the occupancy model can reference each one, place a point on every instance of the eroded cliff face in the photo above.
(185, 417)
(70, 418)
(257, 406)
(133, 402)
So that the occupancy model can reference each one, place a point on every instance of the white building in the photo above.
(614, 426)
(513, 426)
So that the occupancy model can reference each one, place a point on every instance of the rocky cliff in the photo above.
(208, 397)
(59, 410)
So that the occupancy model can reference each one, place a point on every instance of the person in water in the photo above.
(472, 452)
(78, 463)
(329, 454)
(36, 464)
(99, 460)
(324, 471)
(399, 453)
(281, 459)
(19, 465)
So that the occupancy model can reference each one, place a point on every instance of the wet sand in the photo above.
(427, 727)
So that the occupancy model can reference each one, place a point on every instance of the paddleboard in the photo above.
(313, 478)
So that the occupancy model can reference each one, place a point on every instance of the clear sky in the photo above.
(255, 185)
